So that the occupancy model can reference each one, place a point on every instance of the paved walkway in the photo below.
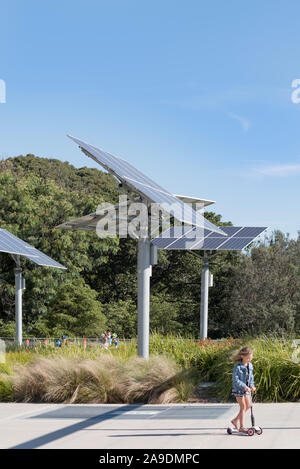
(182, 426)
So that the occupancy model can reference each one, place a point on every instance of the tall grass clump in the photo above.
(159, 380)
(66, 380)
(105, 380)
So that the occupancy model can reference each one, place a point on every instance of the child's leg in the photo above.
(247, 403)
(241, 414)
(236, 420)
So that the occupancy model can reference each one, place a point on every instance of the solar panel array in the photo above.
(238, 237)
(145, 186)
(11, 244)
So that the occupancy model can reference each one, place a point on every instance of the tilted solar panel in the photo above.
(145, 186)
(11, 244)
(229, 230)
(237, 239)
(46, 261)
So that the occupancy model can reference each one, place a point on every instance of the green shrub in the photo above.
(6, 388)
(103, 380)
(176, 365)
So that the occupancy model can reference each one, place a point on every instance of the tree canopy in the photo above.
(256, 290)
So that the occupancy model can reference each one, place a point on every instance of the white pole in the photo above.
(204, 297)
(18, 301)
(144, 273)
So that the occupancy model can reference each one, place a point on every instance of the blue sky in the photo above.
(196, 94)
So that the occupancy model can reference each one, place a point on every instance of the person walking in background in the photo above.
(115, 340)
(103, 340)
(242, 384)
(109, 337)
(58, 343)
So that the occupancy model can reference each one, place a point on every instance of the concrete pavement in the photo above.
(182, 426)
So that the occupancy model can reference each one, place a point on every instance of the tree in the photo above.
(121, 318)
(36, 195)
(75, 311)
(165, 316)
(261, 292)
(256, 290)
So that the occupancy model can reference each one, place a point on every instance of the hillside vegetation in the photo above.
(254, 292)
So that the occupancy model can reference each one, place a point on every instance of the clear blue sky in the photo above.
(196, 94)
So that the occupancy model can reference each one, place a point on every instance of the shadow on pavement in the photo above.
(61, 433)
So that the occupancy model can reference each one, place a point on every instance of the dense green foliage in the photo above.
(256, 291)
(36, 195)
(176, 366)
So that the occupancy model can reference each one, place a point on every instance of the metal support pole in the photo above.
(18, 301)
(204, 297)
(144, 273)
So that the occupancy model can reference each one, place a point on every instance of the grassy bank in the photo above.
(176, 366)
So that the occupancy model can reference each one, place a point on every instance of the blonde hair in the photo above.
(241, 353)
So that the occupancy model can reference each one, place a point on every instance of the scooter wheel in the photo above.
(259, 431)
(229, 431)
(251, 431)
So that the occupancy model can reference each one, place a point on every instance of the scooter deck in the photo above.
(234, 431)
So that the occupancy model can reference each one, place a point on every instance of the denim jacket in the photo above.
(240, 375)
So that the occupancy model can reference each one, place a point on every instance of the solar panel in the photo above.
(237, 239)
(229, 230)
(13, 245)
(178, 231)
(145, 186)
(249, 231)
(237, 243)
(184, 243)
(162, 243)
(46, 261)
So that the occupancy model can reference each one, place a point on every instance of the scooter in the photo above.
(251, 430)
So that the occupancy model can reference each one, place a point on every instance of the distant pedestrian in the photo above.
(115, 340)
(109, 337)
(58, 343)
(103, 340)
